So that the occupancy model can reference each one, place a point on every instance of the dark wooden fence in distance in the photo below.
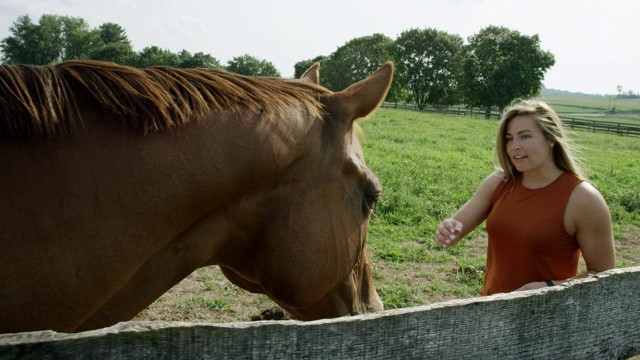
(569, 122)
(601, 126)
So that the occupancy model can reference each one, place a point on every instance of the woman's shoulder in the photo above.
(586, 202)
(498, 175)
(491, 182)
(495, 179)
(587, 209)
(585, 194)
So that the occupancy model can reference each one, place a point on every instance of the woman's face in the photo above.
(526, 145)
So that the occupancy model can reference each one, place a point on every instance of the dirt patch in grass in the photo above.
(207, 296)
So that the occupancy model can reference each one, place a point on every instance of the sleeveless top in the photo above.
(527, 238)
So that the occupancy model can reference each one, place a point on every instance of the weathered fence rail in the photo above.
(595, 318)
(601, 126)
(569, 122)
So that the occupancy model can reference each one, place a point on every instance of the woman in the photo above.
(541, 212)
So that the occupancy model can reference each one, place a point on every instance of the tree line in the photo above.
(434, 67)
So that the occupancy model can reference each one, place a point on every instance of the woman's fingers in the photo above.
(448, 232)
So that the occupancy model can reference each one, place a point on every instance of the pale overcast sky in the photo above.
(596, 43)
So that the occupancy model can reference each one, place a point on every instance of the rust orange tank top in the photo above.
(527, 238)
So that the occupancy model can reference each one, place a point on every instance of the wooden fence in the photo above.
(569, 122)
(594, 318)
(447, 110)
(601, 126)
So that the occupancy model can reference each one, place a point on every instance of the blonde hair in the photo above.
(550, 124)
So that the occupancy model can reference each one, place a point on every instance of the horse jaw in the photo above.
(369, 300)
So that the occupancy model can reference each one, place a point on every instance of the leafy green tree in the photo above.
(79, 41)
(50, 38)
(252, 66)
(14, 48)
(114, 45)
(502, 65)
(197, 60)
(54, 39)
(153, 55)
(119, 53)
(429, 63)
(59, 38)
(301, 66)
(355, 60)
(111, 33)
(31, 43)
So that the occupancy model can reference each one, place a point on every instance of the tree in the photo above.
(59, 38)
(301, 66)
(153, 55)
(502, 65)
(429, 64)
(119, 53)
(251, 66)
(50, 39)
(54, 39)
(114, 45)
(111, 33)
(14, 48)
(30, 43)
(197, 60)
(355, 60)
(79, 41)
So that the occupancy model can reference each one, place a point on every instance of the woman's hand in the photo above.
(449, 232)
(533, 285)
(471, 214)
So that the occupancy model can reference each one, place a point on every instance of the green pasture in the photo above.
(627, 111)
(591, 103)
(430, 165)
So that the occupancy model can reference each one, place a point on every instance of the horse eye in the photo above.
(371, 197)
(372, 200)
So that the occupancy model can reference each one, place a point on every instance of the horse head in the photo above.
(311, 258)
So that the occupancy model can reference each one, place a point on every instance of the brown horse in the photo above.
(119, 182)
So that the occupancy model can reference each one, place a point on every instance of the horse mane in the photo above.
(43, 101)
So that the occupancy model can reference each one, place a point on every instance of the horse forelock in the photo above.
(42, 101)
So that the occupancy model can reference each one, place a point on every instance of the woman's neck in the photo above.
(540, 178)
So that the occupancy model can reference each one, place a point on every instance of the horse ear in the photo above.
(363, 97)
(312, 74)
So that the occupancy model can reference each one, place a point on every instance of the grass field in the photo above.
(627, 111)
(591, 103)
(429, 166)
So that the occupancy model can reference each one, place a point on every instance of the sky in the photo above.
(596, 43)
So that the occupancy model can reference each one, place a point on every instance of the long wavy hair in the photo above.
(550, 124)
